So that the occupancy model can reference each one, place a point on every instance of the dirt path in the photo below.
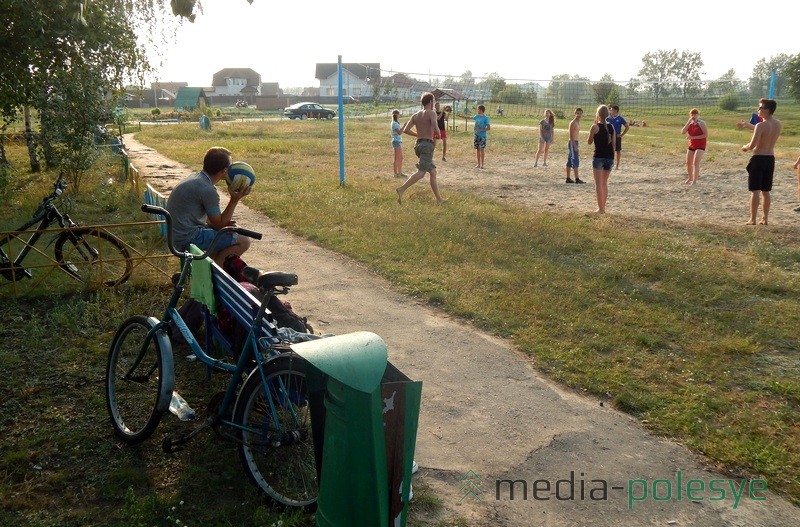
(485, 410)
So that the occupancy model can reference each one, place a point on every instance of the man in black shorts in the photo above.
(761, 167)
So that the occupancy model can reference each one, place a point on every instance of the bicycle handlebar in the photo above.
(152, 209)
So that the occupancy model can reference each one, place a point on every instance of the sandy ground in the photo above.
(484, 408)
(651, 187)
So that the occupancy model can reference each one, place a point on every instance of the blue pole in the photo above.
(341, 126)
(772, 80)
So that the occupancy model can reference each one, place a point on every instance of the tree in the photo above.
(687, 71)
(726, 83)
(659, 69)
(792, 74)
(602, 90)
(760, 79)
(569, 89)
(493, 84)
(513, 94)
(69, 61)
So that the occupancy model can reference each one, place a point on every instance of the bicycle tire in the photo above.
(139, 379)
(93, 256)
(280, 461)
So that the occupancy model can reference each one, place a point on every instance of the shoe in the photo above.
(569, 180)
(535, 165)
(443, 159)
(544, 164)
(414, 467)
(579, 180)
(796, 209)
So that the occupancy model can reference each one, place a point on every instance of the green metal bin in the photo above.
(364, 416)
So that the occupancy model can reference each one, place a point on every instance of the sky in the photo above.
(515, 39)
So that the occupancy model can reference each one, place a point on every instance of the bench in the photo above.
(239, 303)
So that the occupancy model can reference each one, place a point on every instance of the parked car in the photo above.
(304, 110)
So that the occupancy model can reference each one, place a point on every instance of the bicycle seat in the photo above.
(268, 279)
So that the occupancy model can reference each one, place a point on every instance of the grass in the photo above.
(708, 357)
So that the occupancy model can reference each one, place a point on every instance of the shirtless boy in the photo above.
(423, 126)
(761, 167)
(573, 157)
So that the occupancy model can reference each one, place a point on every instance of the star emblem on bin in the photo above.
(470, 486)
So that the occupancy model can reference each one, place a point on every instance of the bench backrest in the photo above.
(239, 302)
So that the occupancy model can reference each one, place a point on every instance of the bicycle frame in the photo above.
(264, 409)
(251, 352)
(46, 218)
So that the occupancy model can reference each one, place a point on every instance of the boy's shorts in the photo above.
(205, 235)
(480, 142)
(573, 157)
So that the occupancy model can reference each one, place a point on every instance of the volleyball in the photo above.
(240, 176)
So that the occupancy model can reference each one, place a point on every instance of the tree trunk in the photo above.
(4, 164)
(34, 157)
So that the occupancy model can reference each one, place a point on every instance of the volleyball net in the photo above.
(562, 94)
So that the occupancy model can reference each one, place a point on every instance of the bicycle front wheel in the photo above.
(140, 377)
(277, 449)
(93, 257)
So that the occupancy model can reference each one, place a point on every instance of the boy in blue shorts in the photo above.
(194, 206)
(481, 127)
(573, 146)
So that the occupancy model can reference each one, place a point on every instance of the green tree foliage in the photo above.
(569, 89)
(514, 94)
(726, 83)
(792, 73)
(602, 90)
(729, 102)
(69, 60)
(493, 84)
(667, 70)
(762, 72)
(687, 71)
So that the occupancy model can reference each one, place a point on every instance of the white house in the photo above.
(236, 82)
(357, 79)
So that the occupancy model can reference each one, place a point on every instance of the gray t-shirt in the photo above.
(190, 203)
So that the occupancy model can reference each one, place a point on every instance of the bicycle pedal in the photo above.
(168, 446)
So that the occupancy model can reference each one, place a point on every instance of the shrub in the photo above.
(729, 101)
(155, 112)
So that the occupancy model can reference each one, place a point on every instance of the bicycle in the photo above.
(265, 408)
(86, 254)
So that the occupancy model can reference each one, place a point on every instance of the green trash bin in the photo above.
(364, 417)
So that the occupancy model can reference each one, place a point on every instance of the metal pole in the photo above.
(341, 125)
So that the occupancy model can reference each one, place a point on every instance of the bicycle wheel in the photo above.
(140, 377)
(93, 257)
(277, 450)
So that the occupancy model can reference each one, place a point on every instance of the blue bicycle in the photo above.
(265, 408)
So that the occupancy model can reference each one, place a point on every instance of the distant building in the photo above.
(271, 98)
(236, 82)
(189, 98)
(357, 79)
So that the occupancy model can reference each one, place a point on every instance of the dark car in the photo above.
(304, 110)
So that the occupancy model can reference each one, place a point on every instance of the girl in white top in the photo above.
(397, 144)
